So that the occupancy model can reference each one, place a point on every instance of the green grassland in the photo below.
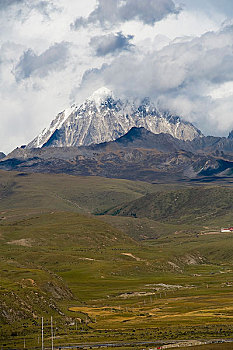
(66, 192)
(183, 206)
(111, 278)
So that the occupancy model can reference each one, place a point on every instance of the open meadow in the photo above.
(107, 278)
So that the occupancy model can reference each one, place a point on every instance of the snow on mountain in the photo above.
(103, 117)
(101, 95)
(56, 124)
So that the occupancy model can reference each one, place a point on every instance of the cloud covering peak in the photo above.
(179, 77)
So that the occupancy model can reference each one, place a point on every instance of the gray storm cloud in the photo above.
(112, 12)
(53, 59)
(180, 77)
(111, 43)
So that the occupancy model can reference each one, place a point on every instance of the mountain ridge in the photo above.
(103, 117)
(138, 155)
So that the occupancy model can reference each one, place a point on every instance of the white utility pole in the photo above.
(52, 330)
(42, 333)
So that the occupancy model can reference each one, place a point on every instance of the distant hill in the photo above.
(66, 193)
(190, 205)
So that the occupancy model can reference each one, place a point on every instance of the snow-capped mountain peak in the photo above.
(101, 95)
(103, 117)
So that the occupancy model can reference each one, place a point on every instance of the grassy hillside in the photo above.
(66, 192)
(100, 285)
(144, 229)
(186, 206)
(44, 260)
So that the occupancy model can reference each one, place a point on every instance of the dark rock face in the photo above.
(2, 155)
(230, 136)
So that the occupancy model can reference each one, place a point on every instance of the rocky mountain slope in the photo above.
(103, 117)
(230, 135)
(138, 155)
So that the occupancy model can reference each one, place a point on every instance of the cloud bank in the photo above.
(109, 13)
(180, 77)
(53, 59)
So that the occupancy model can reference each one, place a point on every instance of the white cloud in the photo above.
(53, 59)
(189, 75)
(179, 77)
(112, 12)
